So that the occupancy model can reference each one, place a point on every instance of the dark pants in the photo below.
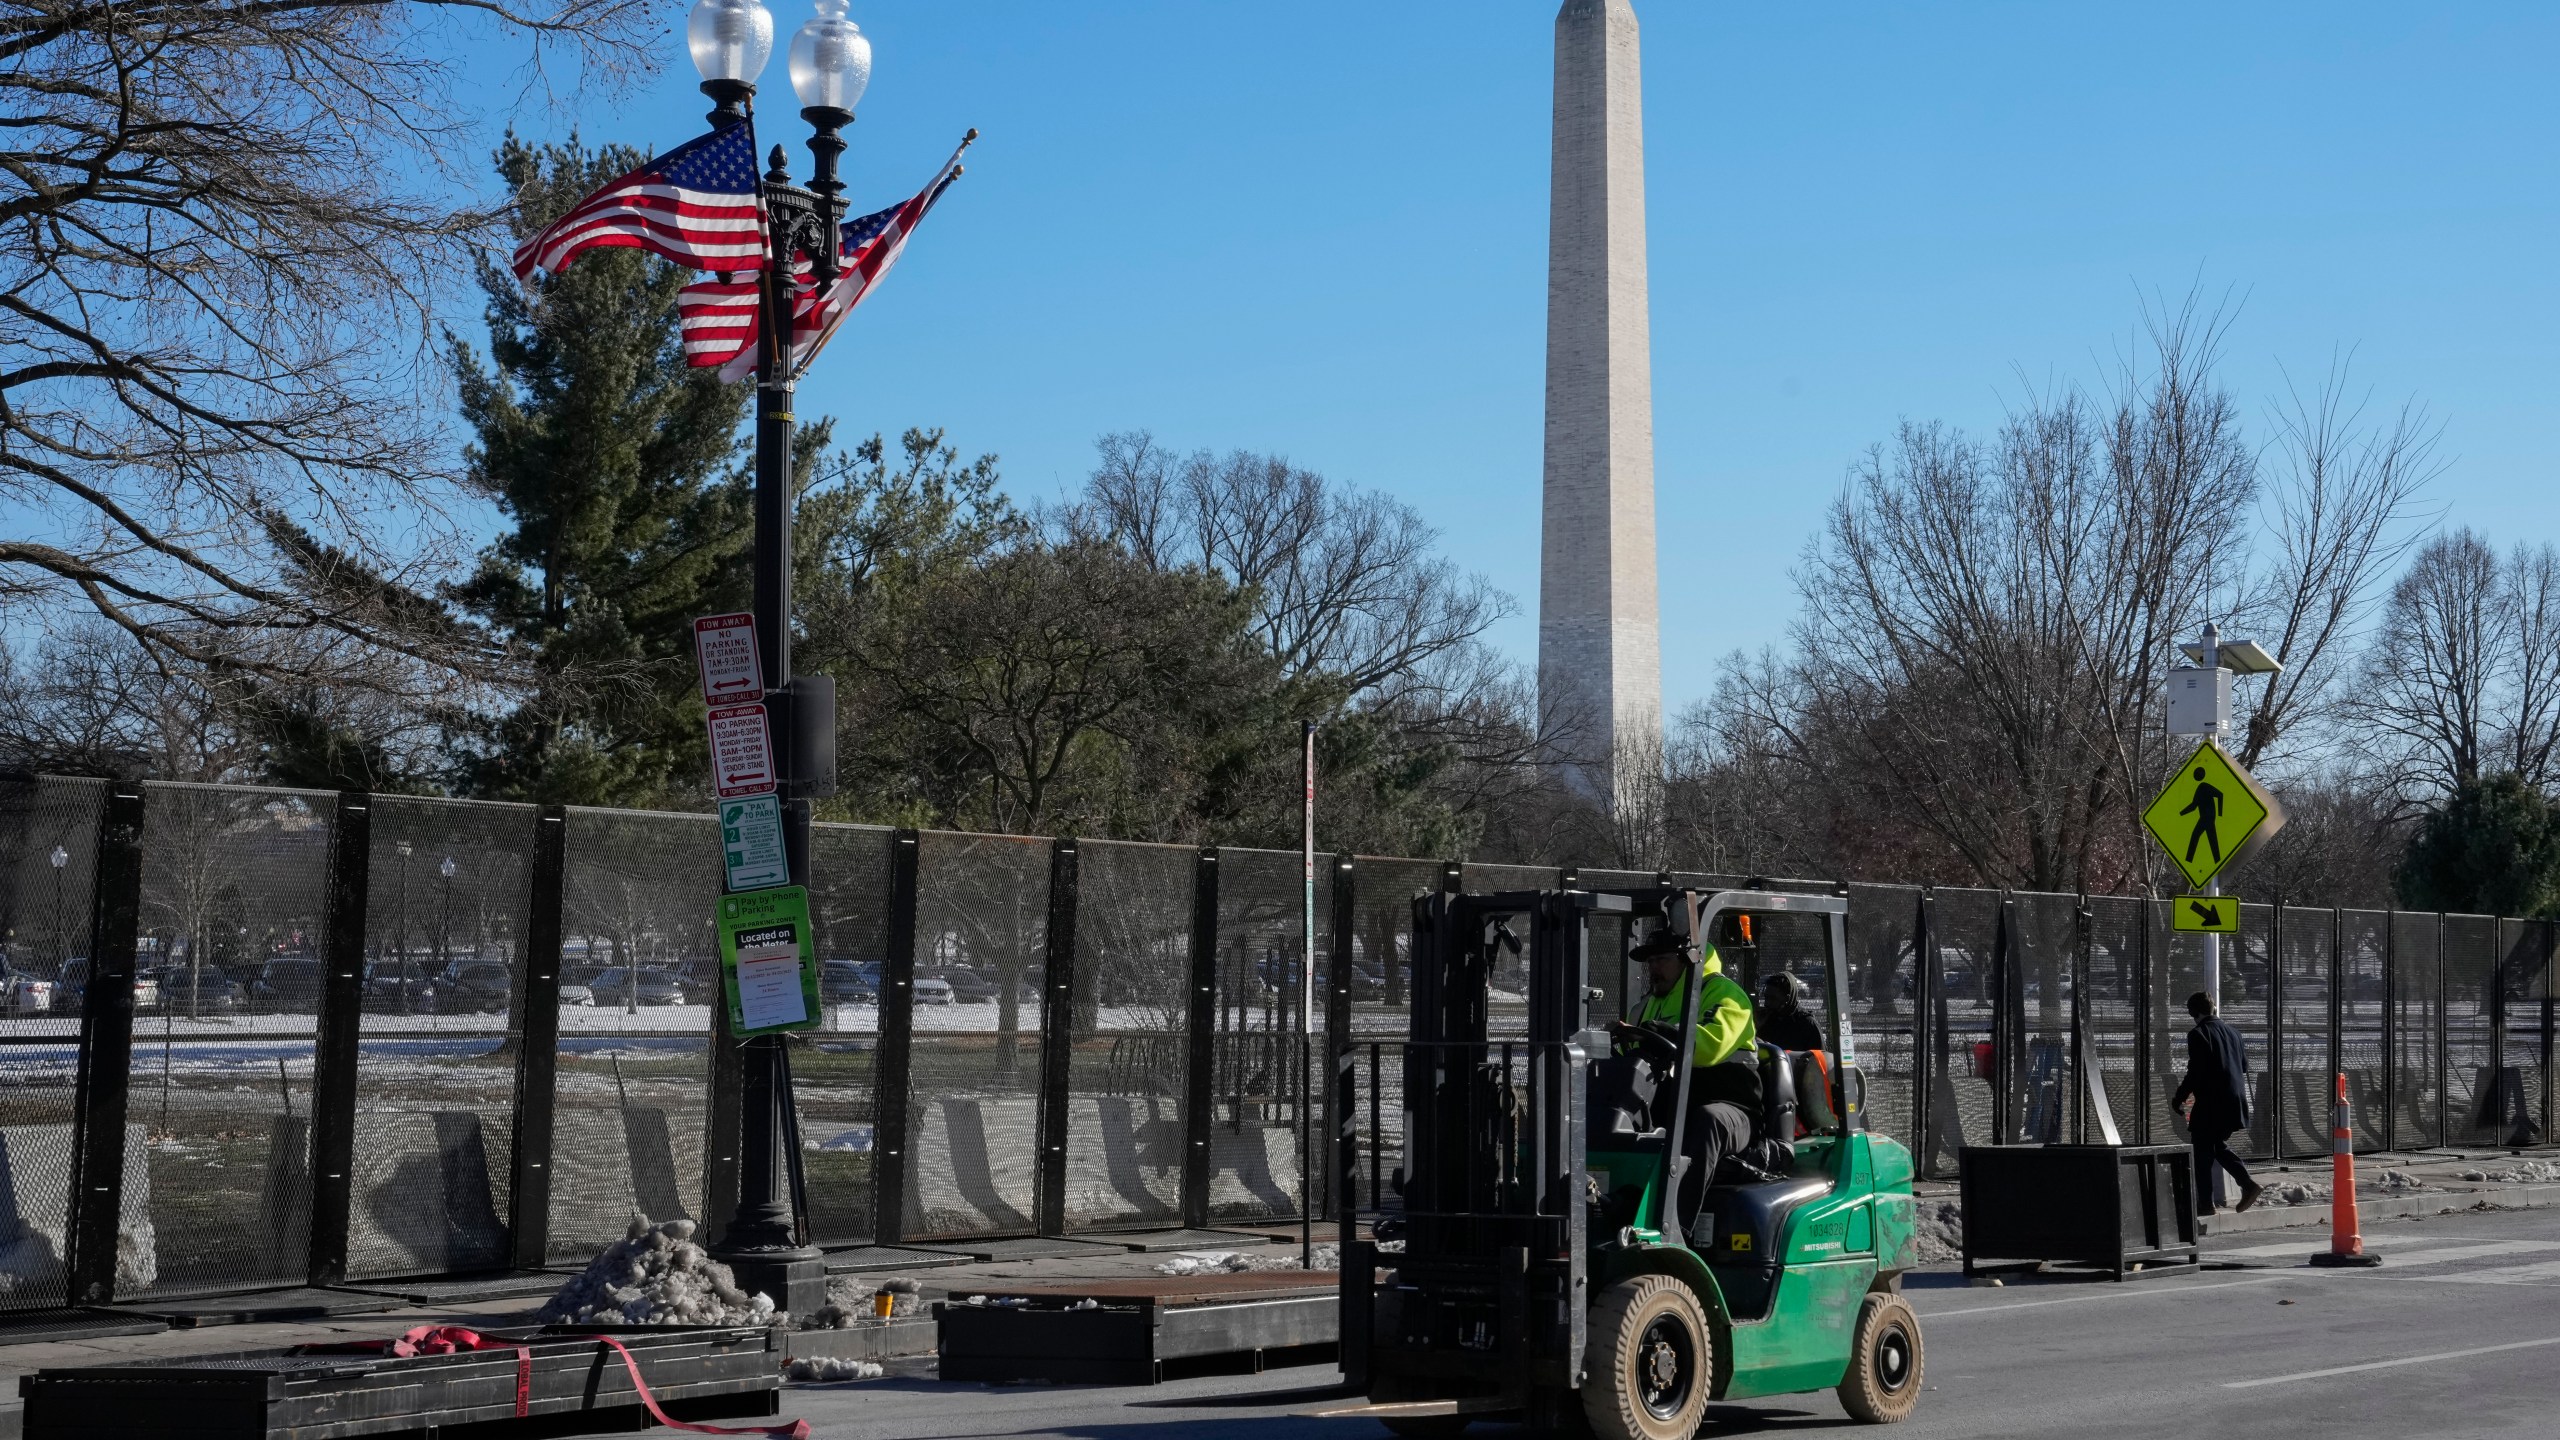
(1714, 1131)
(2213, 1148)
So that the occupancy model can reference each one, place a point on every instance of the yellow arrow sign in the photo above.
(2209, 914)
(2210, 814)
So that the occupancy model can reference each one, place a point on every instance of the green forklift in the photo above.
(1558, 1264)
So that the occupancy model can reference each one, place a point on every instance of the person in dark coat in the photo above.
(1781, 1019)
(2217, 1083)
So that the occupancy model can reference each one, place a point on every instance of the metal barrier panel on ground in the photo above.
(2110, 1001)
(1883, 939)
(2473, 968)
(2523, 1026)
(2304, 1089)
(2363, 969)
(1254, 1165)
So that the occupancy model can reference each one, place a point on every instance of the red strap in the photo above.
(454, 1339)
(788, 1430)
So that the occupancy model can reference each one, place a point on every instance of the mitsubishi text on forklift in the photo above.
(1560, 1263)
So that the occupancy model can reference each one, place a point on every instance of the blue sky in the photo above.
(1320, 229)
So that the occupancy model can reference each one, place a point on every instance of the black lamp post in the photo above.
(830, 65)
(400, 929)
(61, 936)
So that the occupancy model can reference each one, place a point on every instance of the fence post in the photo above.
(892, 1081)
(1337, 1039)
(106, 1051)
(2390, 1030)
(2337, 998)
(2142, 1062)
(2006, 1014)
(1200, 1058)
(1926, 1035)
(1057, 1043)
(538, 1042)
(341, 1029)
(2444, 1047)
(2275, 1029)
(724, 1121)
(2083, 1065)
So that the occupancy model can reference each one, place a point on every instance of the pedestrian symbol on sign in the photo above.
(2206, 805)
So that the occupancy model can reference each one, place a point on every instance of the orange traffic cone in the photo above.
(2346, 1241)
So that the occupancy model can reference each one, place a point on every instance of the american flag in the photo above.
(719, 312)
(696, 205)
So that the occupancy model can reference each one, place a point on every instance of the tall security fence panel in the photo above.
(235, 899)
(2177, 971)
(976, 1136)
(2039, 967)
(2417, 1033)
(1883, 933)
(442, 1006)
(639, 977)
(835, 1068)
(1255, 1165)
(2306, 947)
(2109, 999)
(2520, 1101)
(2363, 999)
(1130, 1035)
(1507, 988)
(2474, 966)
(49, 837)
(1611, 972)
(1965, 929)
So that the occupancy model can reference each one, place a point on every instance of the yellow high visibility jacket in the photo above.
(1725, 1028)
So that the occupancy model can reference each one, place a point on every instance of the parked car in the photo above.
(930, 991)
(618, 986)
(968, 987)
(483, 985)
(286, 985)
(182, 991)
(576, 994)
(26, 995)
(73, 989)
(384, 989)
(841, 982)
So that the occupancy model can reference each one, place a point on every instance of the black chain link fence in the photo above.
(1073, 1059)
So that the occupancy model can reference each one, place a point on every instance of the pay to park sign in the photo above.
(766, 971)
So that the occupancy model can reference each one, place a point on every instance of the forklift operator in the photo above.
(1724, 1091)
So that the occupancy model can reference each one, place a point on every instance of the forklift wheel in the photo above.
(1651, 1361)
(1885, 1362)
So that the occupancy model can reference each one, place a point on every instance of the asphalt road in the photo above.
(2456, 1334)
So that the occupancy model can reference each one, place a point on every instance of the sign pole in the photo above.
(1307, 1013)
(2213, 942)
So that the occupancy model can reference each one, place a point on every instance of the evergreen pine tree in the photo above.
(627, 500)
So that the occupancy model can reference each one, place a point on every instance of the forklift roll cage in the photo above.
(1495, 1183)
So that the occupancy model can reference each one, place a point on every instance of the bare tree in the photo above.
(1345, 582)
(2463, 677)
(227, 242)
(2336, 521)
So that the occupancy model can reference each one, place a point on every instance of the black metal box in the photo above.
(2114, 1207)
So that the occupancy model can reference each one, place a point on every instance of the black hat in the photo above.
(1664, 941)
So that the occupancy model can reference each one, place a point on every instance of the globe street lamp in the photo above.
(830, 64)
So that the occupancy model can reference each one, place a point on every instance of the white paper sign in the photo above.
(751, 842)
(769, 992)
(724, 650)
(741, 752)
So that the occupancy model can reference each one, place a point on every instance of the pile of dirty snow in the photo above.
(1212, 1262)
(850, 1302)
(2397, 1180)
(2295, 1192)
(658, 1276)
(2531, 1172)
(825, 1368)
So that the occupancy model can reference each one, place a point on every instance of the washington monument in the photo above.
(1599, 630)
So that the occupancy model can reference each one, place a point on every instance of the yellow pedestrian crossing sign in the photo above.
(2211, 814)
(2209, 914)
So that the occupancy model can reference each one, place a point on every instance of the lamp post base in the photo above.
(796, 1279)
